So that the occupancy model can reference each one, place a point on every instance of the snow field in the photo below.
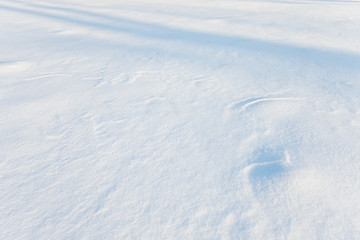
(166, 120)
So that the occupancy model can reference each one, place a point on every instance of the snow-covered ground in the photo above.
(169, 119)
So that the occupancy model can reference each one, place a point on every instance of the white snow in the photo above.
(167, 119)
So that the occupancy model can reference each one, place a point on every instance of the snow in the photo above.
(172, 120)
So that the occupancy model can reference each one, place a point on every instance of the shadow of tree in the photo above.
(161, 32)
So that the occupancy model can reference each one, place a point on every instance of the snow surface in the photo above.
(171, 119)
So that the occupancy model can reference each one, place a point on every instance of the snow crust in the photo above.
(167, 119)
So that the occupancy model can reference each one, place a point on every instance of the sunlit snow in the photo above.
(169, 119)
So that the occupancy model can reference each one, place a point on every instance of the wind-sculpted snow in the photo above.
(172, 120)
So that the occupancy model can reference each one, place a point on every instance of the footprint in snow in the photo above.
(266, 165)
(250, 103)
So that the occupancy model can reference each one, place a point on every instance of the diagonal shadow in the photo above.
(161, 32)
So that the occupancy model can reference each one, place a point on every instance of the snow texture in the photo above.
(167, 119)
